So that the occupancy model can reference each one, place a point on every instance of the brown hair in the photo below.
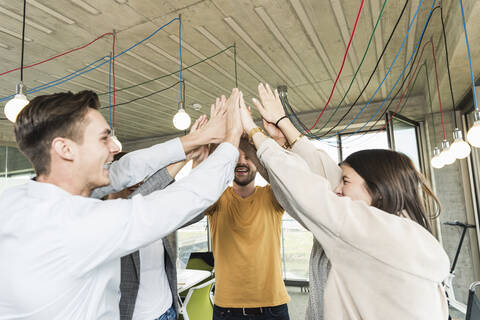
(50, 116)
(393, 183)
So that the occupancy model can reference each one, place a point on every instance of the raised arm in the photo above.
(271, 108)
(138, 165)
(342, 225)
(106, 230)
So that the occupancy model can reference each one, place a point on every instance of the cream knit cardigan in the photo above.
(382, 266)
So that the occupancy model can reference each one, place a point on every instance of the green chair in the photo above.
(200, 261)
(198, 303)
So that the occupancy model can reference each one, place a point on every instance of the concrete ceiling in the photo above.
(299, 43)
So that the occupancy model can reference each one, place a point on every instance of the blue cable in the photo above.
(107, 61)
(398, 79)
(180, 48)
(388, 72)
(469, 57)
(110, 92)
(54, 82)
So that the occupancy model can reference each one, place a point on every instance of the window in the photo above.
(363, 140)
(330, 146)
(405, 140)
(193, 237)
(15, 169)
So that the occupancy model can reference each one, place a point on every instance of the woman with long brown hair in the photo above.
(374, 256)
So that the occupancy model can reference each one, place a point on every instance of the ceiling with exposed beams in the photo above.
(299, 43)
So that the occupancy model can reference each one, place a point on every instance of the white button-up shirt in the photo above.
(60, 253)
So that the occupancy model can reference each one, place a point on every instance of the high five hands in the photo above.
(230, 117)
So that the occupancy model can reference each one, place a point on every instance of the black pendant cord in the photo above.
(448, 65)
(23, 40)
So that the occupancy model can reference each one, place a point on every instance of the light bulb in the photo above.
(15, 105)
(446, 154)
(459, 148)
(117, 142)
(437, 161)
(181, 120)
(473, 135)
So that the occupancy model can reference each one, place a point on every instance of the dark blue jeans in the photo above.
(267, 313)
(168, 315)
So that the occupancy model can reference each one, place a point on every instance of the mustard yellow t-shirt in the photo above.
(246, 247)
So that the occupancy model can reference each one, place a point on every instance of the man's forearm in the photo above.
(193, 140)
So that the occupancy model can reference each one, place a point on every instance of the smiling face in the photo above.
(95, 152)
(245, 171)
(352, 185)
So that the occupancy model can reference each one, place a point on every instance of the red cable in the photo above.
(113, 82)
(57, 56)
(406, 88)
(341, 68)
(438, 91)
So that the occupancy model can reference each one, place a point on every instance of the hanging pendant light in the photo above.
(459, 148)
(19, 101)
(181, 120)
(446, 154)
(15, 105)
(473, 135)
(437, 161)
(116, 141)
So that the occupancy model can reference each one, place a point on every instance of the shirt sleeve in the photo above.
(318, 161)
(137, 165)
(160, 180)
(102, 231)
(212, 209)
(274, 201)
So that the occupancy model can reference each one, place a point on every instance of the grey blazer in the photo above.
(130, 264)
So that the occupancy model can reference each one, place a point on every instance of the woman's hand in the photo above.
(270, 106)
(275, 133)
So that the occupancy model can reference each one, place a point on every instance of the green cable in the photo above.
(167, 75)
(358, 69)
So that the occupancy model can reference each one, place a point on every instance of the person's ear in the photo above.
(64, 148)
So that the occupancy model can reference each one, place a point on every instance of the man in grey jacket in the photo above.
(150, 297)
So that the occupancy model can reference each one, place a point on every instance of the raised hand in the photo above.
(201, 153)
(269, 106)
(215, 129)
(234, 124)
(246, 116)
(274, 132)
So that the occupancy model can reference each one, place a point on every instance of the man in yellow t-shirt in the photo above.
(245, 224)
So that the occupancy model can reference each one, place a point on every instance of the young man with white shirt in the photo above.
(59, 250)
